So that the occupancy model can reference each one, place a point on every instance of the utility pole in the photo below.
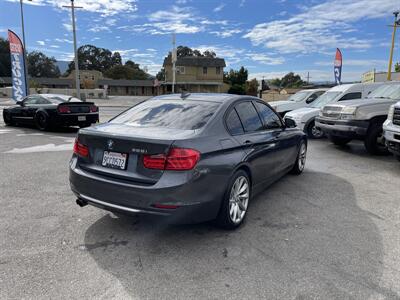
(23, 40)
(396, 23)
(77, 81)
(174, 58)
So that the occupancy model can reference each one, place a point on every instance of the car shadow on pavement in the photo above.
(32, 129)
(302, 239)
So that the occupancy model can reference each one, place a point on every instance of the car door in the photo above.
(259, 144)
(285, 143)
(24, 113)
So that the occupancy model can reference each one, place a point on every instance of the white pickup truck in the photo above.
(303, 98)
(391, 128)
(360, 119)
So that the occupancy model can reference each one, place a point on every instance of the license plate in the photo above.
(114, 160)
(81, 118)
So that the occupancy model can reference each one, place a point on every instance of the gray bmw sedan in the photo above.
(189, 157)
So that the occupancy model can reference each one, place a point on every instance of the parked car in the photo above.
(391, 129)
(49, 110)
(305, 117)
(194, 157)
(303, 98)
(361, 119)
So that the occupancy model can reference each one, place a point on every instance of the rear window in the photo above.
(179, 114)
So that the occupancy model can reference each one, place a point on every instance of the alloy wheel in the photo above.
(302, 156)
(239, 199)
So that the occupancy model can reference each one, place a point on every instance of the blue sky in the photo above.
(269, 37)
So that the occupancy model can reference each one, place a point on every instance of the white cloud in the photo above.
(219, 7)
(54, 46)
(365, 63)
(103, 7)
(230, 54)
(265, 59)
(226, 32)
(99, 28)
(242, 3)
(41, 43)
(320, 27)
(67, 26)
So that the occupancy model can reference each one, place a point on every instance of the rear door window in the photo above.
(268, 116)
(173, 114)
(233, 123)
(351, 96)
(249, 116)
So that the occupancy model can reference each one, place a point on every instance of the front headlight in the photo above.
(348, 112)
(391, 113)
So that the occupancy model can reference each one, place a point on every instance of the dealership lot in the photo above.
(333, 232)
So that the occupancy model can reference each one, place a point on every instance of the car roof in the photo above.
(212, 97)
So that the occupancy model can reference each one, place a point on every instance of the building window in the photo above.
(218, 70)
(92, 77)
(204, 70)
(180, 69)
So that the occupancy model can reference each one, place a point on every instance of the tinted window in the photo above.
(41, 100)
(249, 116)
(174, 114)
(32, 100)
(233, 123)
(270, 119)
(350, 96)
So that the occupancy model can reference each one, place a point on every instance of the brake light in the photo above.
(64, 109)
(178, 159)
(165, 206)
(94, 108)
(80, 149)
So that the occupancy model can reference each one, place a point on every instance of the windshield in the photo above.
(389, 91)
(172, 114)
(299, 96)
(325, 99)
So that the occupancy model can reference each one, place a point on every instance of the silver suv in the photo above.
(391, 128)
(360, 119)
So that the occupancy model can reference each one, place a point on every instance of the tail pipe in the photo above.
(81, 202)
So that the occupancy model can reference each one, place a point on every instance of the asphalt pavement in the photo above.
(331, 233)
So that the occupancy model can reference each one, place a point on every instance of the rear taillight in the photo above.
(80, 149)
(64, 109)
(94, 108)
(178, 159)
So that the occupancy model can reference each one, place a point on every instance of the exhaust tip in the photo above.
(81, 202)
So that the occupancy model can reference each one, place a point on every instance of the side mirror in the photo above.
(290, 123)
(20, 103)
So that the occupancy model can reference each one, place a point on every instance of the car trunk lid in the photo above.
(133, 143)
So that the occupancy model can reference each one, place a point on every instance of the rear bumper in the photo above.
(355, 129)
(392, 137)
(72, 119)
(191, 193)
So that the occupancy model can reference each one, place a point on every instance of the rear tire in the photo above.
(236, 201)
(313, 132)
(41, 121)
(339, 141)
(300, 163)
(375, 141)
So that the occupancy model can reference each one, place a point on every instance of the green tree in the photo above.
(236, 77)
(184, 51)
(5, 58)
(93, 58)
(252, 87)
(126, 72)
(397, 67)
(161, 75)
(290, 80)
(40, 65)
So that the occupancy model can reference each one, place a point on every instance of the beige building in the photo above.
(88, 78)
(195, 74)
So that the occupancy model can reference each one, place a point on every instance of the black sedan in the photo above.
(191, 158)
(48, 110)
